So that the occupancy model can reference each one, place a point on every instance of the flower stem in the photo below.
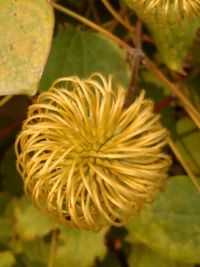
(53, 248)
(5, 99)
(184, 163)
(192, 115)
(117, 16)
(91, 24)
(137, 55)
(190, 109)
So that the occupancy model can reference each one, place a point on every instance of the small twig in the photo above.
(136, 58)
(117, 16)
(110, 25)
(165, 102)
(138, 31)
(190, 109)
(184, 163)
(91, 10)
(192, 115)
(5, 99)
(95, 12)
(54, 240)
(91, 25)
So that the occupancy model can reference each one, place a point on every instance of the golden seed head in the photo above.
(85, 159)
(166, 11)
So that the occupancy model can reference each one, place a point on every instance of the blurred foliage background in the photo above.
(168, 232)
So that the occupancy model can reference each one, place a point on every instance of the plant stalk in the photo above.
(5, 99)
(117, 16)
(184, 163)
(53, 248)
(91, 25)
(136, 59)
(190, 109)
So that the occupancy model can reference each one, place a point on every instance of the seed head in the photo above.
(166, 11)
(86, 160)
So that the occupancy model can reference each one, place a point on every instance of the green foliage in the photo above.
(81, 53)
(26, 30)
(190, 86)
(11, 180)
(170, 225)
(7, 259)
(26, 214)
(27, 233)
(157, 91)
(142, 256)
(6, 218)
(35, 252)
(80, 248)
(187, 140)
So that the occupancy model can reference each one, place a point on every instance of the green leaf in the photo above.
(80, 248)
(142, 256)
(26, 29)
(187, 139)
(6, 218)
(30, 221)
(7, 259)
(11, 180)
(195, 53)
(35, 253)
(158, 92)
(170, 226)
(81, 53)
(4, 201)
(110, 260)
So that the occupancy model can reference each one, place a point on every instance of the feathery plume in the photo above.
(166, 11)
(85, 159)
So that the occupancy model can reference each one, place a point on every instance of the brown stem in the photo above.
(136, 56)
(5, 99)
(165, 102)
(91, 24)
(54, 241)
(138, 32)
(190, 109)
(184, 163)
(117, 16)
